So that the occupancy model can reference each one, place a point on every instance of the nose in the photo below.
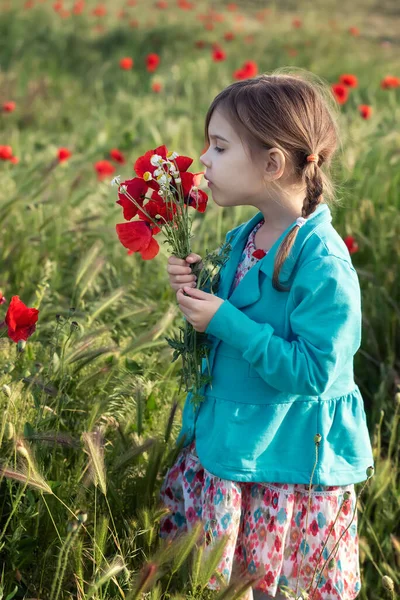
(204, 160)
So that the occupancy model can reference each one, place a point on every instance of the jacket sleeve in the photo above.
(326, 326)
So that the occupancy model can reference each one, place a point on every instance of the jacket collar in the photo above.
(248, 290)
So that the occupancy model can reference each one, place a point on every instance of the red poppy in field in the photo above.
(341, 92)
(134, 23)
(351, 244)
(229, 36)
(248, 69)
(99, 11)
(137, 237)
(6, 153)
(29, 4)
(136, 188)
(131, 3)
(63, 154)
(104, 168)
(20, 319)
(184, 5)
(390, 82)
(117, 155)
(126, 63)
(161, 4)
(232, 6)
(365, 111)
(57, 6)
(349, 80)
(297, 23)
(156, 87)
(152, 61)
(354, 31)
(9, 106)
(218, 54)
(78, 7)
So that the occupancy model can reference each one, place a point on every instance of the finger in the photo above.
(196, 293)
(193, 258)
(178, 270)
(174, 260)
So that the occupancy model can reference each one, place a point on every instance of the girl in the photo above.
(271, 456)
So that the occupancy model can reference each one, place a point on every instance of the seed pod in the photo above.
(387, 583)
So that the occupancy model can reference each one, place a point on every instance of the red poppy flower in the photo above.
(349, 80)
(152, 62)
(259, 253)
(365, 111)
(158, 210)
(5, 153)
(78, 7)
(137, 237)
(9, 106)
(351, 244)
(218, 54)
(99, 11)
(131, 2)
(117, 156)
(143, 163)
(136, 188)
(126, 63)
(156, 87)
(297, 23)
(63, 154)
(229, 36)
(57, 6)
(354, 31)
(249, 69)
(340, 92)
(104, 168)
(134, 23)
(161, 4)
(20, 319)
(390, 82)
(232, 6)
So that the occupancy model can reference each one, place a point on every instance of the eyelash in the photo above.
(219, 149)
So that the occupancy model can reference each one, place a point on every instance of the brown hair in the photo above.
(294, 111)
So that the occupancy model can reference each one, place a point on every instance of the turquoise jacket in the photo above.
(282, 366)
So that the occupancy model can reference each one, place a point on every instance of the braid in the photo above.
(314, 189)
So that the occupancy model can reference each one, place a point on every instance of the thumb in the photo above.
(195, 292)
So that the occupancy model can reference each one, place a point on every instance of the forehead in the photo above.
(220, 127)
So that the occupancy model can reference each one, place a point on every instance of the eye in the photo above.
(219, 149)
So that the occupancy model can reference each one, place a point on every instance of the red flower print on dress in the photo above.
(259, 253)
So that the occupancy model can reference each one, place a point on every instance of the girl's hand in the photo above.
(179, 271)
(199, 307)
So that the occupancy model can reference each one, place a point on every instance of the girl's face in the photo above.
(235, 179)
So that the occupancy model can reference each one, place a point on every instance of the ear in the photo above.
(274, 165)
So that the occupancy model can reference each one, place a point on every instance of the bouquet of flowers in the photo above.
(160, 197)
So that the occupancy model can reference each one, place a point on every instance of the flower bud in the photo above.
(387, 583)
(72, 526)
(74, 326)
(21, 345)
(6, 390)
(317, 439)
(346, 495)
(370, 471)
(82, 517)
(9, 431)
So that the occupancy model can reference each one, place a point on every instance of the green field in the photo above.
(90, 407)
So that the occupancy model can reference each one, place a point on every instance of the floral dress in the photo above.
(266, 522)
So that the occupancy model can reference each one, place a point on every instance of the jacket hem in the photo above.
(268, 475)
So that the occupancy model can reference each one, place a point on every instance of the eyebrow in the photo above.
(219, 137)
